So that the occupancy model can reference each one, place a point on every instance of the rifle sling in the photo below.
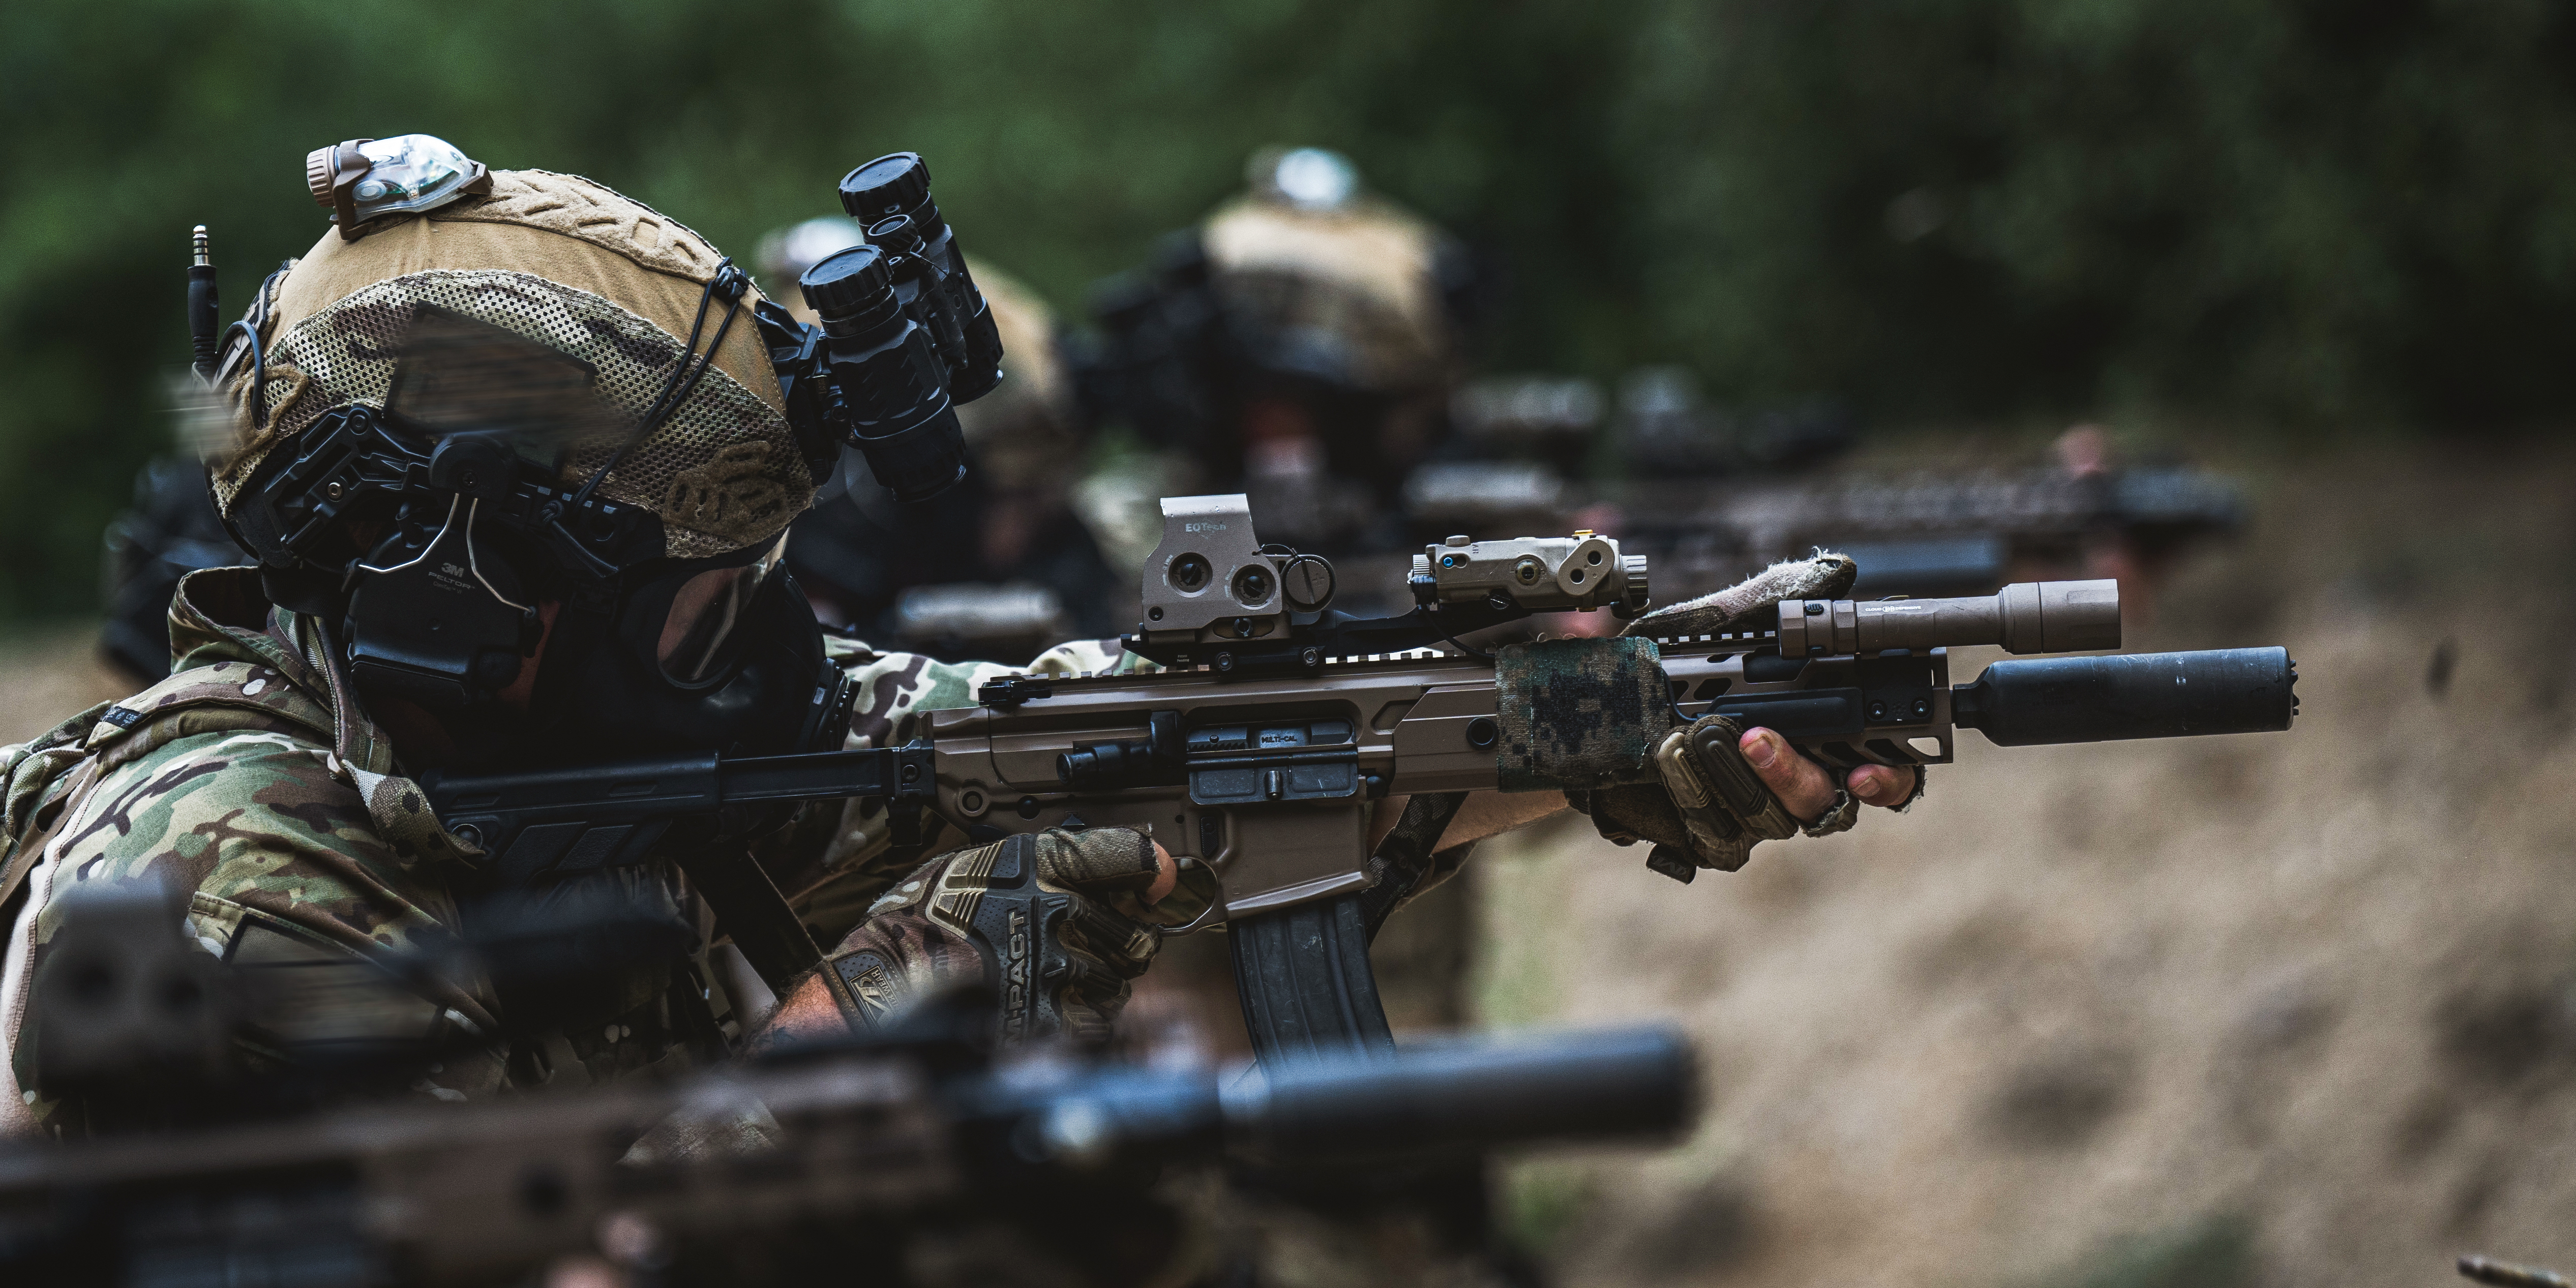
(1405, 856)
(752, 911)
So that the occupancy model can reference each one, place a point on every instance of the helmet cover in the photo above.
(564, 262)
(1328, 282)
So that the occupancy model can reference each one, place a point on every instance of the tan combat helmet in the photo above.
(562, 261)
(1331, 281)
(1025, 434)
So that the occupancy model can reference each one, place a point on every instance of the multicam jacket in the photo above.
(252, 780)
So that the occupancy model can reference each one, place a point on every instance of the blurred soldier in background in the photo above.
(998, 566)
(1300, 345)
(172, 531)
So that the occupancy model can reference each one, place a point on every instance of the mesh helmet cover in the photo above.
(572, 265)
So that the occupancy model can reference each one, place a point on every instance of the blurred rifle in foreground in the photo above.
(1258, 749)
(835, 1160)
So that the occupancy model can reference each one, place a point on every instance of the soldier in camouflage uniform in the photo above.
(273, 785)
(270, 778)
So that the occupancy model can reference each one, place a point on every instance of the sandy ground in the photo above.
(51, 673)
(2291, 1009)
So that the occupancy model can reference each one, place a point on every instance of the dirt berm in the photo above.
(2293, 1009)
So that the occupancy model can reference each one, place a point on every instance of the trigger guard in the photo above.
(1212, 915)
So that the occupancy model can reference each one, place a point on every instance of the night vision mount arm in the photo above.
(905, 339)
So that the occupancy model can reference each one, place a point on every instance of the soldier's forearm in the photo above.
(806, 1012)
(1485, 814)
(1489, 814)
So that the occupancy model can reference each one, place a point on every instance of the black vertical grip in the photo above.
(1307, 988)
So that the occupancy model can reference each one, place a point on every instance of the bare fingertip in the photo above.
(1877, 785)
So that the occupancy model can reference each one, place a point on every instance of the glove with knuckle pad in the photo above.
(1052, 922)
(1711, 808)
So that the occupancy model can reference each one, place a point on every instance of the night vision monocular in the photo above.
(906, 338)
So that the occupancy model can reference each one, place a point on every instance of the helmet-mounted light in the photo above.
(1316, 179)
(364, 179)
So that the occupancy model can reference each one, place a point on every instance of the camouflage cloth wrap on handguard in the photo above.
(1708, 808)
(1578, 714)
(1050, 922)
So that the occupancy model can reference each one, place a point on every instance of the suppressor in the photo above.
(1433, 1096)
(2134, 695)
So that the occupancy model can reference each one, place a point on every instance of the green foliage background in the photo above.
(2277, 212)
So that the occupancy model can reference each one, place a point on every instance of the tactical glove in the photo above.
(1711, 809)
(1053, 923)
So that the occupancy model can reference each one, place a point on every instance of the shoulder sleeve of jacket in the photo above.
(831, 875)
(256, 817)
(895, 687)
(271, 849)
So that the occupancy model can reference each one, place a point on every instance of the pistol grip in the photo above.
(903, 820)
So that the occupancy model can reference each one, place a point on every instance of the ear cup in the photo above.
(439, 624)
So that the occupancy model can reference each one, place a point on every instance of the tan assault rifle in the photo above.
(1263, 730)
